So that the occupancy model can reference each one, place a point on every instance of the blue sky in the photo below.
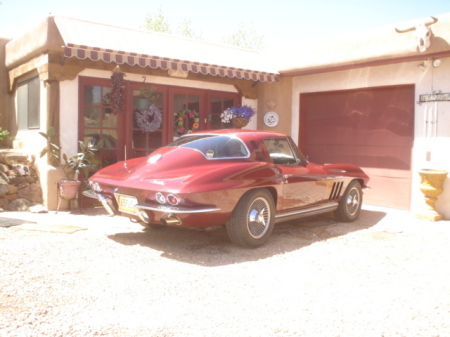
(277, 21)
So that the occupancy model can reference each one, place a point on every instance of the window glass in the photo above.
(280, 151)
(28, 102)
(214, 147)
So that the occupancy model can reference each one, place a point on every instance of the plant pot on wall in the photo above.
(239, 122)
(431, 185)
(142, 103)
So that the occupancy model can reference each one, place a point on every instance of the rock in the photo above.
(33, 192)
(11, 174)
(12, 189)
(4, 168)
(22, 170)
(11, 197)
(18, 180)
(19, 205)
(4, 187)
(4, 203)
(13, 158)
(22, 185)
(5, 177)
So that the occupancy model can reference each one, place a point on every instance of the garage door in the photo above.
(372, 128)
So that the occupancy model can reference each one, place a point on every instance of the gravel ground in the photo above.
(385, 275)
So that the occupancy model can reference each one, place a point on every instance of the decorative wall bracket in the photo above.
(436, 96)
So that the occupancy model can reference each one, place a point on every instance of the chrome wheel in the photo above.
(253, 219)
(353, 201)
(350, 203)
(258, 219)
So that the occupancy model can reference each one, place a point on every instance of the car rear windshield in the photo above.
(214, 146)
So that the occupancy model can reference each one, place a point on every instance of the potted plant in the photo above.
(237, 116)
(146, 95)
(68, 188)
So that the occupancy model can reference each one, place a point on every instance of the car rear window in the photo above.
(214, 147)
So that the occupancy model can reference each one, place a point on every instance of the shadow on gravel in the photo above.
(213, 248)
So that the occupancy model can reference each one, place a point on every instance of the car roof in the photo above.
(243, 134)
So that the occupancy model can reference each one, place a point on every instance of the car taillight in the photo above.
(160, 198)
(173, 199)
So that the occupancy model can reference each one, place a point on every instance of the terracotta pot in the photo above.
(239, 122)
(431, 185)
(68, 189)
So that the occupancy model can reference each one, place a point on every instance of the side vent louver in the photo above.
(336, 190)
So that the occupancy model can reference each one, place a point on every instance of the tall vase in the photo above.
(431, 185)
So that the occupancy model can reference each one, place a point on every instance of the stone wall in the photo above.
(19, 183)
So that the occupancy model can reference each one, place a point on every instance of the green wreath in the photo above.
(186, 121)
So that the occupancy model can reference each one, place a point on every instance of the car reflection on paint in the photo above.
(244, 180)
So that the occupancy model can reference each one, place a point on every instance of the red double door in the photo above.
(154, 115)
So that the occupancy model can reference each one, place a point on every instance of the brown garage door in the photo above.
(372, 128)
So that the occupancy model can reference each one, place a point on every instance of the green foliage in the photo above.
(3, 134)
(185, 30)
(157, 23)
(73, 165)
(51, 149)
(245, 37)
(81, 161)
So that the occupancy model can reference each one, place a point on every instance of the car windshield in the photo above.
(214, 146)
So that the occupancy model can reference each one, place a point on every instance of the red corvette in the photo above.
(245, 180)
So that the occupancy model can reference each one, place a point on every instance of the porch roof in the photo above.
(94, 41)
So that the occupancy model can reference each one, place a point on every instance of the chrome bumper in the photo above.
(168, 217)
(106, 202)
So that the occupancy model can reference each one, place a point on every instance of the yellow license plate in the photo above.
(126, 203)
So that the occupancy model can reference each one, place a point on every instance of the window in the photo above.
(28, 102)
(280, 151)
(214, 147)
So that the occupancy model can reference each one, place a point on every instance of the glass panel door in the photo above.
(100, 126)
(186, 113)
(148, 120)
(218, 102)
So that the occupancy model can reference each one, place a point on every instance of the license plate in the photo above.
(126, 203)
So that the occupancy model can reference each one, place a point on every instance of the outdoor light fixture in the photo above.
(436, 63)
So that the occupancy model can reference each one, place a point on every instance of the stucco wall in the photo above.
(278, 94)
(427, 152)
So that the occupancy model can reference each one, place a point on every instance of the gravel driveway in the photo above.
(387, 274)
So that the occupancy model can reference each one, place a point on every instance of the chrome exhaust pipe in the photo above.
(171, 220)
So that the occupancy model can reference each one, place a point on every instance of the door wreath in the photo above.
(186, 121)
(148, 120)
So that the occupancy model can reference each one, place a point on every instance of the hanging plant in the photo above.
(148, 120)
(117, 92)
(186, 121)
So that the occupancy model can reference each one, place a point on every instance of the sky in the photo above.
(279, 21)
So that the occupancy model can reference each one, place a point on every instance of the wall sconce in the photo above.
(436, 63)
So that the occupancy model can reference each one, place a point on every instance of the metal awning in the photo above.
(98, 42)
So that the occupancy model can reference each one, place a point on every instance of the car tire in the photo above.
(252, 220)
(350, 203)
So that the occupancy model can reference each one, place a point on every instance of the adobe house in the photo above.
(60, 75)
(373, 99)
